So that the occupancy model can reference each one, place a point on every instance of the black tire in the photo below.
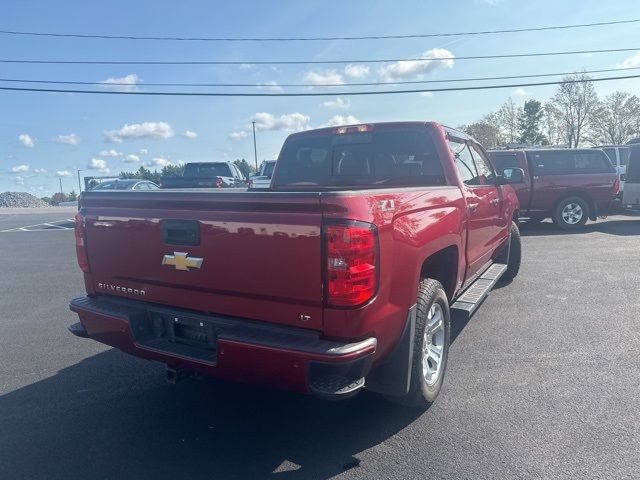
(567, 221)
(515, 254)
(421, 393)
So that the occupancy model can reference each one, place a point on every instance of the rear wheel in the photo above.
(570, 213)
(515, 254)
(431, 345)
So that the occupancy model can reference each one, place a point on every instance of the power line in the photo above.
(312, 62)
(314, 39)
(314, 94)
(358, 84)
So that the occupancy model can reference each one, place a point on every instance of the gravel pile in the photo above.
(20, 200)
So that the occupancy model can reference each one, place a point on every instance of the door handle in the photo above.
(494, 201)
(473, 207)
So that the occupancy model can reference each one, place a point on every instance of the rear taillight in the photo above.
(218, 182)
(616, 186)
(81, 245)
(351, 270)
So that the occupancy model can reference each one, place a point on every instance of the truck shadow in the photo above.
(612, 227)
(112, 416)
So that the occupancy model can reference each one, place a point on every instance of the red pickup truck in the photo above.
(345, 272)
(567, 185)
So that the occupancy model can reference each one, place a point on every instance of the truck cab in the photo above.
(569, 186)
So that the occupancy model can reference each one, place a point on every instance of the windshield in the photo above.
(207, 170)
(399, 157)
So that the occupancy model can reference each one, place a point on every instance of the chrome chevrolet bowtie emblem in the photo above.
(182, 261)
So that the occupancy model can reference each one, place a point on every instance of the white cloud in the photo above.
(26, 140)
(98, 164)
(356, 71)
(412, 68)
(131, 158)
(290, 122)
(190, 134)
(20, 169)
(338, 120)
(71, 139)
(64, 173)
(272, 86)
(247, 66)
(143, 151)
(19, 180)
(426, 94)
(40, 170)
(110, 153)
(631, 62)
(238, 135)
(489, 2)
(151, 130)
(338, 103)
(519, 92)
(323, 77)
(160, 161)
(122, 84)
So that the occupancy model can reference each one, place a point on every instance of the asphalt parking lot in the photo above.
(543, 382)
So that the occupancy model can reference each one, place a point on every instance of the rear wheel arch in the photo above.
(443, 267)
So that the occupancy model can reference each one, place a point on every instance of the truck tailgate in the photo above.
(260, 251)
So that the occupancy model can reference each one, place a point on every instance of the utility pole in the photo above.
(79, 184)
(255, 150)
(60, 184)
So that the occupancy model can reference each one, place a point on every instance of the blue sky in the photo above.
(45, 136)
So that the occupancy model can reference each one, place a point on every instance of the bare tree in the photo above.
(614, 122)
(508, 116)
(576, 102)
(551, 125)
(486, 131)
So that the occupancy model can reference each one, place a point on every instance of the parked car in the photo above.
(619, 156)
(631, 194)
(126, 184)
(206, 175)
(263, 179)
(567, 185)
(344, 274)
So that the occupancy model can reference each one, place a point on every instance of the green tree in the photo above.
(173, 171)
(47, 200)
(530, 122)
(73, 196)
(142, 174)
(244, 167)
(58, 197)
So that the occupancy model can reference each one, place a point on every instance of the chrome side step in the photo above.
(467, 303)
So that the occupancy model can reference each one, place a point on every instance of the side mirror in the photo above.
(512, 175)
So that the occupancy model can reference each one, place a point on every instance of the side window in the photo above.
(505, 161)
(624, 156)
(464, 162)
(485, 170)
(611, 153)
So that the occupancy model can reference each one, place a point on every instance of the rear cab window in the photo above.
(559, 162)
(360, 159)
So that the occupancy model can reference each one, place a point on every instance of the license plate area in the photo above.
(177, 334)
